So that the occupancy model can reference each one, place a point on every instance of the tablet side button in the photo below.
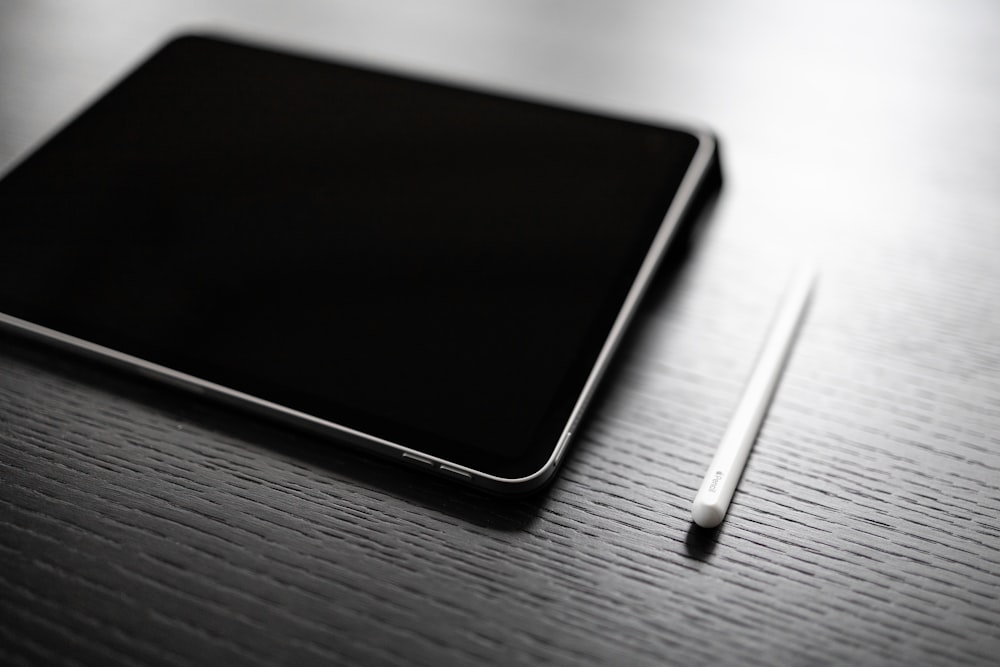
(417, 459)
(453, 471)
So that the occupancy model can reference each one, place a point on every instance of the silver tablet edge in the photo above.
(697, 171)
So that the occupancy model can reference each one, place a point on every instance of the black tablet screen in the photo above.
(433, 266)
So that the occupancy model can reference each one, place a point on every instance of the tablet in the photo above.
(432, 273)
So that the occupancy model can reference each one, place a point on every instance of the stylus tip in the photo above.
(707, 515)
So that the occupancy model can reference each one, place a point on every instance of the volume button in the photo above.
(418, 459)
(458, 473)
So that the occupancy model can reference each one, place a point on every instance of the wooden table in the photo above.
(142, 525)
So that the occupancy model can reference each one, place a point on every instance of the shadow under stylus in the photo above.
(700, 543)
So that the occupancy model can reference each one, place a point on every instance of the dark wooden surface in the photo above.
(140, 525)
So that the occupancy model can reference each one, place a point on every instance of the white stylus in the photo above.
(720, 481)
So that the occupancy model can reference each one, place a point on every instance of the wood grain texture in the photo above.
(139, 525)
